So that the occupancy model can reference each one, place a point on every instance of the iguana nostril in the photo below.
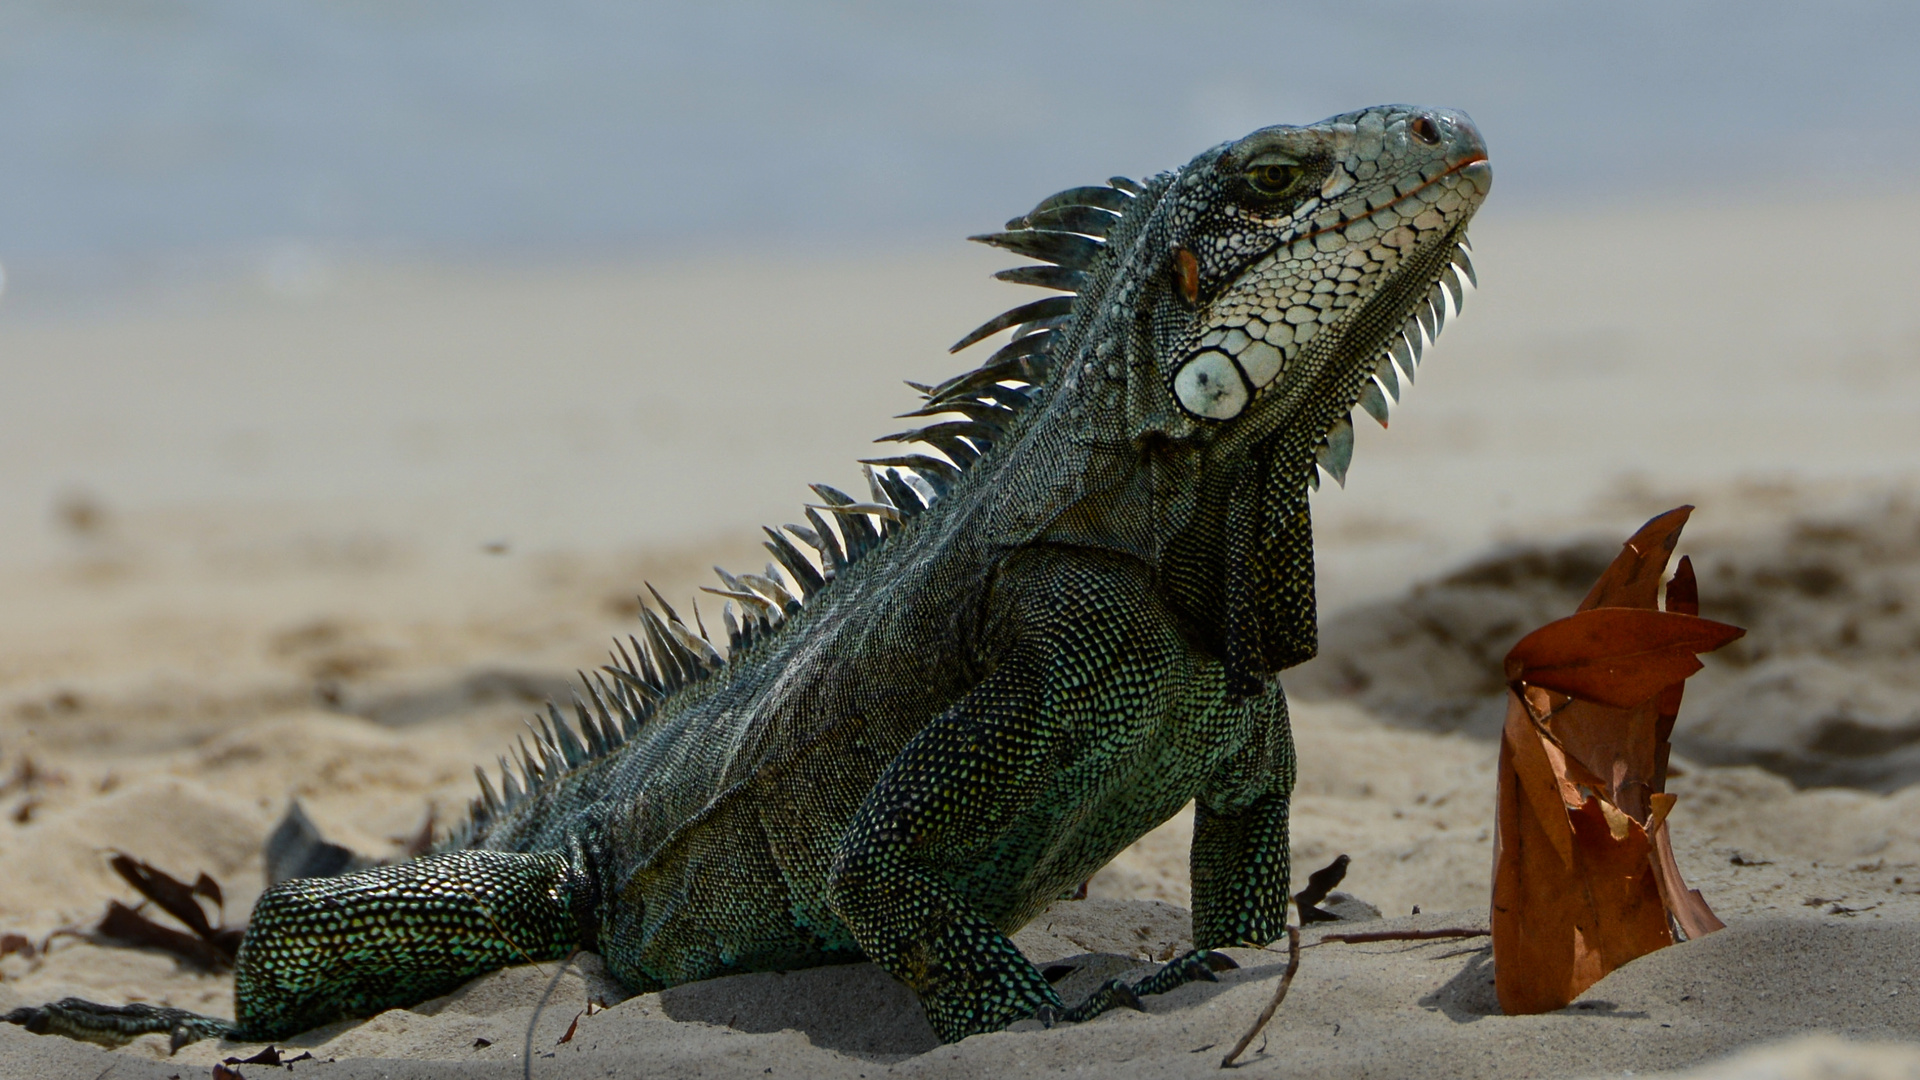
(1424, 129)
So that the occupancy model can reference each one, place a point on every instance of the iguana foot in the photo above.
(1198, 965)
(116, 1025)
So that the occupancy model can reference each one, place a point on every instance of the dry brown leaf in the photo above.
(1584, 875)
(212, 947)
(1615, 656)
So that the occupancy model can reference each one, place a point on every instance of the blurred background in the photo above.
(170, 132)
(509, 266)
(434, 287)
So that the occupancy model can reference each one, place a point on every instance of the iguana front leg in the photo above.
(1239, 865)
(1241, 859)
(1090, 665)
(324, 949)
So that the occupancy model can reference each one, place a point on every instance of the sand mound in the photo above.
(1816, 1057)
(1821, 690)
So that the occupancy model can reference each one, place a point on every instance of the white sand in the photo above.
(279, 533)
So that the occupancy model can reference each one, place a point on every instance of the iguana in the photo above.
(1034, 640)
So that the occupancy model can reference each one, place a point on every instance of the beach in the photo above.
(333, 535)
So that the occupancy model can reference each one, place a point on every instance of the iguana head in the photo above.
(1303, 262)
(1227, 317)
(1263, 289)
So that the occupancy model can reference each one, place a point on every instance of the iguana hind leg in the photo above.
(940, 804)
(323, 949)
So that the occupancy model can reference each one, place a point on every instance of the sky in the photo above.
(207, 129)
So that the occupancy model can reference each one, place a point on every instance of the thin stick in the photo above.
(1279, 995)
(526, 1051)
(1401, 935)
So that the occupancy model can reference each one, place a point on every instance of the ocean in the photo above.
(170, 135)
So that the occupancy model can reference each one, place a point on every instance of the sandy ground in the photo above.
(334, 547)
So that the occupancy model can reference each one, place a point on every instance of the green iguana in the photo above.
(1006, 663)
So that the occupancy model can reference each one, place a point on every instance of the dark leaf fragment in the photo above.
(211, 947)
(1319, 884)
(122, 923)
(175, 897)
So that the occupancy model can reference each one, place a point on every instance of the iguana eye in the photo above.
(1273, 177)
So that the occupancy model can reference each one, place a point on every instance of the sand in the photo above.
(334, 549)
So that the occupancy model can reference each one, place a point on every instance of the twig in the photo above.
(526, 1051)
(1279, 995)
(1401, 935)
(1543, 724)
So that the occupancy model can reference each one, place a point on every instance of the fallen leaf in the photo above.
(175, 897)
(17, 943)
(1584, 874)
(209, 946)
(124, 924)
(1617, 657)
(1319, 884)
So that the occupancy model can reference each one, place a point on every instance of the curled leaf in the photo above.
(1584, 874)
(1616, 656)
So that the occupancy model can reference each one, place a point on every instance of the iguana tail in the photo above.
(324, 949)
(117, 1025)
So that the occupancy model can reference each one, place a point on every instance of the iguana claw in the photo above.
(1112, 994)
(1197, 965)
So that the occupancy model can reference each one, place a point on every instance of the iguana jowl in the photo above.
(1005, 664)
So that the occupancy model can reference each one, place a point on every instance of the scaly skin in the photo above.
(1004, 688)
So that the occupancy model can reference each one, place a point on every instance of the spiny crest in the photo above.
(1399, 359)
(618, 700)
(1067, 231)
